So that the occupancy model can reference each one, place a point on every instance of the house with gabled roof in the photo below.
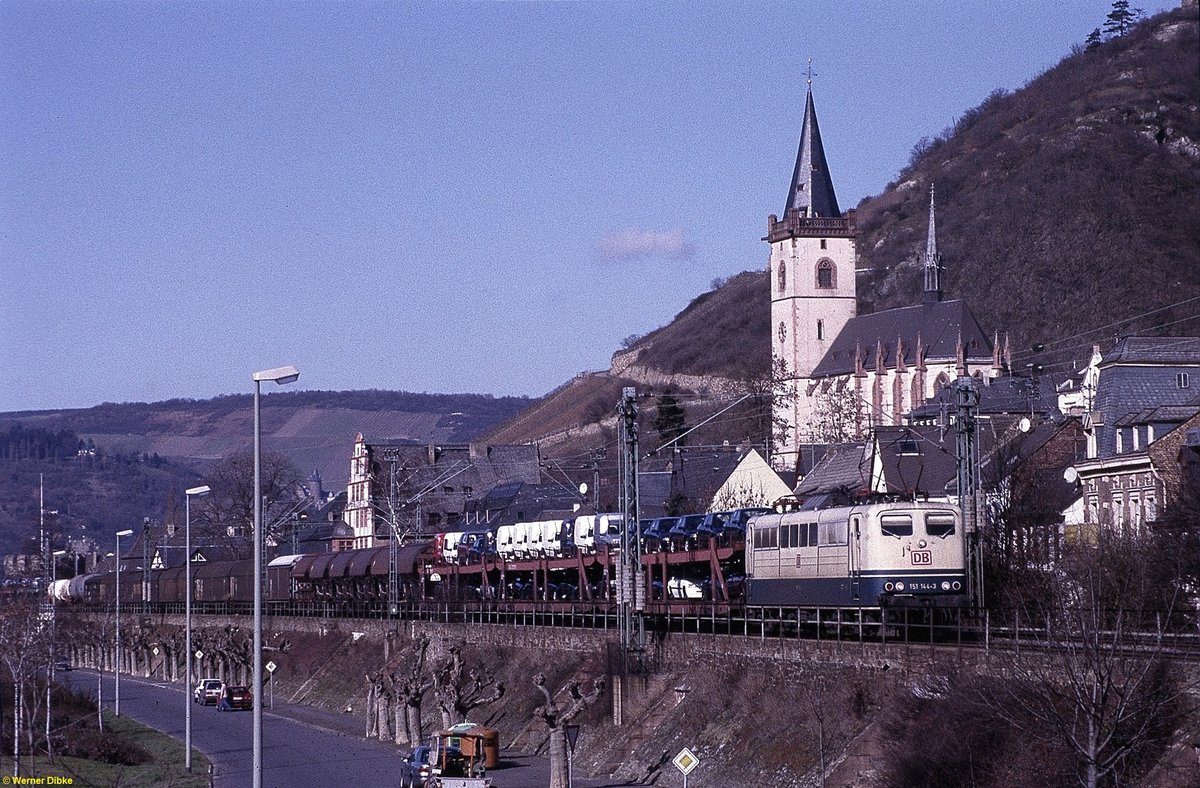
(1144, 411)
(425, 488)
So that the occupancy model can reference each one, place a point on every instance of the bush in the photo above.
(104, 746)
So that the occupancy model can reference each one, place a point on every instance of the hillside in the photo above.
(137, 457)
(1067, 215)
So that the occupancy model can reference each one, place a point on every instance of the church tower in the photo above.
(812, 272)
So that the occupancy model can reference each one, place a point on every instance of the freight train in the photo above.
(868, 555)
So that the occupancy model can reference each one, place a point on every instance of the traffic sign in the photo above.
(686, 761)
(270, 666)
(199, 654)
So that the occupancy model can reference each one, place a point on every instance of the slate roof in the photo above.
(917, 460)
(1004, 395)
(844, 467)
(811, 189)
(520, 502)
(1153, 350)
(938, 325)
(1167, 414)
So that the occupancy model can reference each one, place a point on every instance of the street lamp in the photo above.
(187, 560)
(280, 375)
(53, 631)
(117, 672)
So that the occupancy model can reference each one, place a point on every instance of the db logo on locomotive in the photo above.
(922, 558)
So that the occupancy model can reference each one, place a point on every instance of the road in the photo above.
(302, 746)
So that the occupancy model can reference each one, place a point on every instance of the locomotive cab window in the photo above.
(939, 524)
(766, 538)
(896, 525)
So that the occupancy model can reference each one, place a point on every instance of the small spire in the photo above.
(933, 260)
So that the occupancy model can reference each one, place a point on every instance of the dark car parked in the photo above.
(415, 769)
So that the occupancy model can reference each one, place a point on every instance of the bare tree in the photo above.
(837, 414)
(742, 496)
(379, 706)
(23, 650)
(409, 687)
(556, 720)
(226, 515)
(1099, 673)
(457, 694)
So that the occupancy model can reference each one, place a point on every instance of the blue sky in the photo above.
(442, 197)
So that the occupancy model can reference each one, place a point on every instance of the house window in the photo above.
(822, 243)
(820, 329)
(826, 274)
(782, 276)
(1182, 380)
(1120, 441)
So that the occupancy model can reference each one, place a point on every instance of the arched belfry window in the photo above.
(826, 274)
(820, 329)
(782, 276)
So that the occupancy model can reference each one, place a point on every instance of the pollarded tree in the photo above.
(556, 720)
(409, 686)
(457, 694)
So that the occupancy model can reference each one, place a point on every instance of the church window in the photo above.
(820, 329)
(897, 398)
(826, 274)
(782, 331)
(942, 381)
(782, 276)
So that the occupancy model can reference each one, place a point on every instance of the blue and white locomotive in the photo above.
(883, 554)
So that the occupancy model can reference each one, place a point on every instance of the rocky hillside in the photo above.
(1067, 216)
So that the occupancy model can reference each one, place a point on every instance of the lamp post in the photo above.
(187, 606)
(280, 375)
(117, 671)
(53, 633)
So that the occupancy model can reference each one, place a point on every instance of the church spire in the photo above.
(811, 191)
(933, 260)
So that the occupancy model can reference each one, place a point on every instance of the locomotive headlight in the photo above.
(957, 585)
(945, 585)
(888, 587)
(921, 543)
(899, 586)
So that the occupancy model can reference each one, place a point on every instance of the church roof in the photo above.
(811, 190)
(938, 325)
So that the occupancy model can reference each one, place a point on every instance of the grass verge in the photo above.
(165, 768)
